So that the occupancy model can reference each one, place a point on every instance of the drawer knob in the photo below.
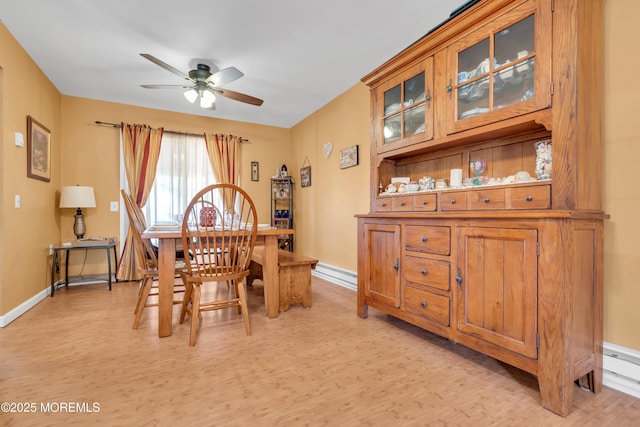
(424, 203)
(383, 205)
(423, 304)
(424, 272)
(529, 198)
(424, 239)
(453, 201)
(401, 203)
(486, 200)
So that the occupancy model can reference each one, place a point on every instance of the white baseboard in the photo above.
(339, 276)
(24, 307)
(31, 302)
(621, 369)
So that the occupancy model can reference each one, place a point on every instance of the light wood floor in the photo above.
(316, 366)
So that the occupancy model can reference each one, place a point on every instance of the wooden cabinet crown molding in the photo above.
(439, 37)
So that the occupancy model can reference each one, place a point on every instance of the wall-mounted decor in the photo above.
(305, 173)
(38, 150)
(326, 149)
(349, 157)
(255, 169)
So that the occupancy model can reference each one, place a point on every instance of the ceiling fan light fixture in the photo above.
(207, 99)
(191, 95)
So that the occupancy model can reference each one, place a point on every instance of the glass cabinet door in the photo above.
(406, 107)
(501, 70)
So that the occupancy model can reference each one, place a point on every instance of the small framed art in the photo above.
(305, 176)
(349, 157)
(38, 150)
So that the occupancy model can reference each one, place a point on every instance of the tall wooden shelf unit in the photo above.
(512, 270)
(282, 209)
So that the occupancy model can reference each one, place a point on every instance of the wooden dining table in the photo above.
(171, 238)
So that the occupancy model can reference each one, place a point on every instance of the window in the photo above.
(183, 170)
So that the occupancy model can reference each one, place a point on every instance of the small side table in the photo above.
(106, 245)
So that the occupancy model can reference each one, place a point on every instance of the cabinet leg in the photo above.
(557, 397)
(363, 311)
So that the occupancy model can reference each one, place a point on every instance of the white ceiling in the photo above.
(296, 55)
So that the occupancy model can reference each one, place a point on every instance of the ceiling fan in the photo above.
(203, 84)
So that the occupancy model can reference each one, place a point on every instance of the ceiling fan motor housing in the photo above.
(202, 72)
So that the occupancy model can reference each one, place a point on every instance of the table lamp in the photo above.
(78, 197)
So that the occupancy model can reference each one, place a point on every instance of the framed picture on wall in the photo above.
(349, 157)
(255, 169)
(38, 150)
(305, 176)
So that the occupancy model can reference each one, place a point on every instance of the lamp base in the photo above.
(79, 228)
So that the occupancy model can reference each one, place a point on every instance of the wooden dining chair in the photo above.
(219, 252)
(148, 292)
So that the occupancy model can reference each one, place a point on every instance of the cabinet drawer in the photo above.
(425, 304)
(424, 202)
(427, 239)
(538, 197)
(428, 272)
(401, 203)
(454, 201)
(383, 204)
(485, 199)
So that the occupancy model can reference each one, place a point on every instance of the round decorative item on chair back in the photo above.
(207, 217)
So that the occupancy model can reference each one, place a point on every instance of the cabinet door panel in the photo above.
(501, 70)
(497, 294)
(382, 279)
(404, 111)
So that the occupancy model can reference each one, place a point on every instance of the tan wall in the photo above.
(324, 212)
(620, 188)
(325, 227)
(25, 233)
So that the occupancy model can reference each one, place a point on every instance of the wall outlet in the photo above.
(114, 206)
(17, 201)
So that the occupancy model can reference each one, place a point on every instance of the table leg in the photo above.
(109, 266)
(270, 275)
(115, 258)
(54, 262)
(166, 271)
(66, 268)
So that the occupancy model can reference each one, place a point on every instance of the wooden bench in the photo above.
(294, 273)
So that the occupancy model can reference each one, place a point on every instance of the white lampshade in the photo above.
(77, 196)
(191, 95)
(207, 99)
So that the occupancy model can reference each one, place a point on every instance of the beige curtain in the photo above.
(224, 155)
(141, 149)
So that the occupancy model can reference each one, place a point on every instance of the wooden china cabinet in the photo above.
(510, 262)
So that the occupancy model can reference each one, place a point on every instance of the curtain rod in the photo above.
(118, 126)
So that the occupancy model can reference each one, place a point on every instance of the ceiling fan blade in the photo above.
(165, 86)
(166, 66)
(225, 76)
(237, 96)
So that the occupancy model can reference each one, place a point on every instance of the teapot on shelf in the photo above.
(426, 183)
